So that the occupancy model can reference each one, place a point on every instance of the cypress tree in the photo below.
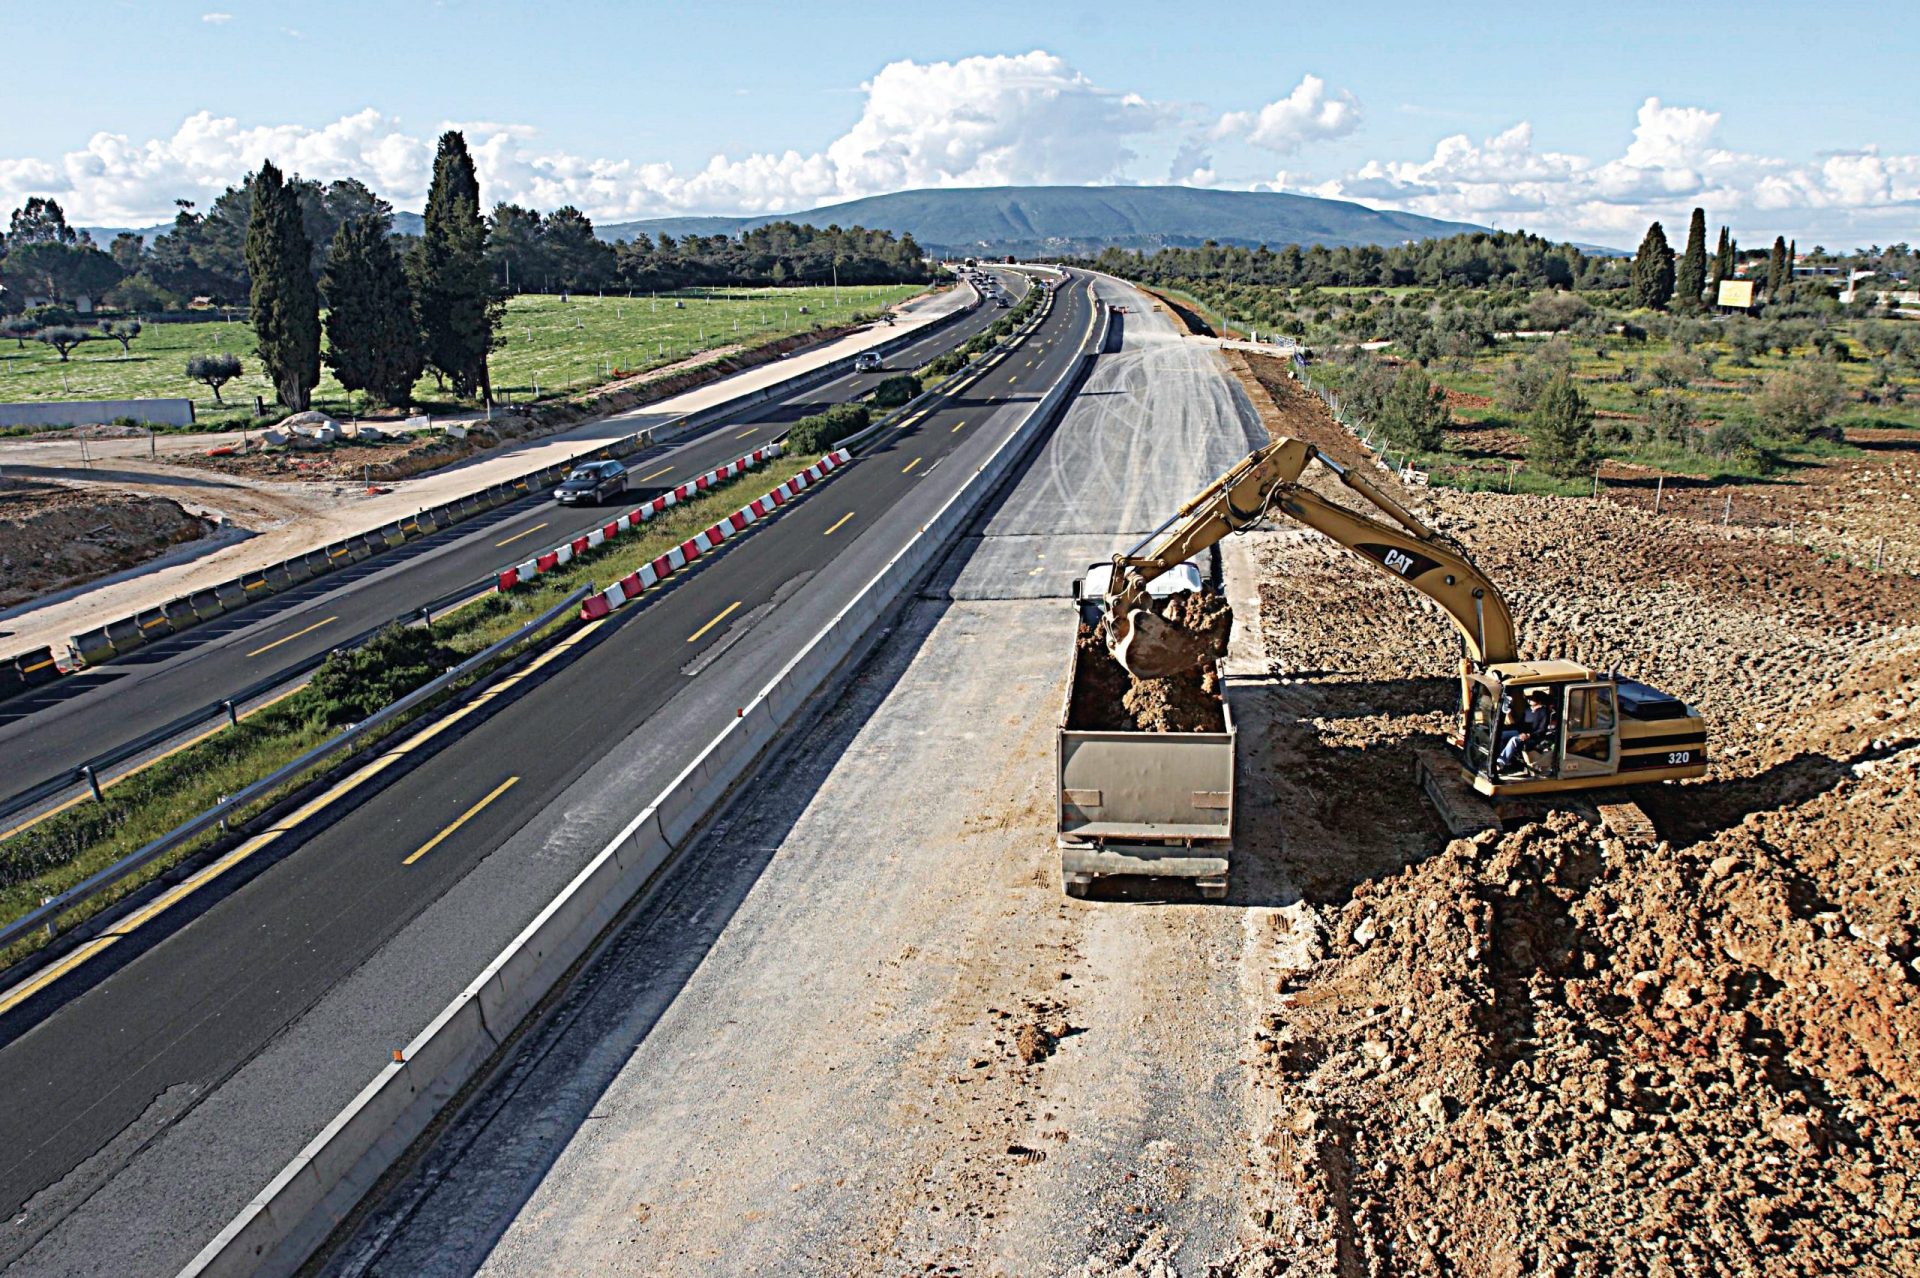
(373, 339)
(1722, 260)
(285, 305)
(1653, 270)
(459, 313)
(1561, 435)
(1777, 268)
(1690, 280)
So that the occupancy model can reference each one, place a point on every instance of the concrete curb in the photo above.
(286, 1221)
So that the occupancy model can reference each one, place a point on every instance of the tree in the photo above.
(1777, 270)
(1414, 412)
(121, 331)
(64, 339)
(581, 259)
(19, 328)
(140, 293)
(1722, 261)
(215, 370)
(126, 251)
(373, 339)
(1561, 432)
(1653, 270)
(1690, 280)
(41, 221)
(285, 308)
(514, 249)
(459, 312)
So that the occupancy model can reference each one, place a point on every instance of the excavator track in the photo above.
(1464, 810)
(1628, 822)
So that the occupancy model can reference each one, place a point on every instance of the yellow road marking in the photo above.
(910, 465)
(109, 783)
(207, 874)
(956, 428)
(517, 536)
(911, 420)
(724, 612)
(748, 431)
(655, 475)
(836, 523)
(295, 635)
(461, 820)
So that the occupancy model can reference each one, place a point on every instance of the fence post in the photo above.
(1659, 491)
(233, 717)
(1879, 553)
(93, 784)
(1726, 512)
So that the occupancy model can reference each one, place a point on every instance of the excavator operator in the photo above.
(1535, 732)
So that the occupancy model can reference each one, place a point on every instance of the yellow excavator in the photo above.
(1588, 729)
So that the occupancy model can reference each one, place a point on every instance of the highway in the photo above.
(207, 1046)
(53, 731)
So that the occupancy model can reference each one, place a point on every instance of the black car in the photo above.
(596, 482)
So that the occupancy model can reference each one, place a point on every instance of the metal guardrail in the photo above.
(44, 916)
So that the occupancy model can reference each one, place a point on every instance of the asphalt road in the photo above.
(207, 1048)
(53, 731)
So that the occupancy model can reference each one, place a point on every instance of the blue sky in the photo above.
(1583, 121)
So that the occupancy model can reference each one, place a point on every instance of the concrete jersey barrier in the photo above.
(285, 1221)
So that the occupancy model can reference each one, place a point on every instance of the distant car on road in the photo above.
(595, 482)
(866, 362)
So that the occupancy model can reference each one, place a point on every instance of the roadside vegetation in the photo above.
(1507, 362)
(53, 855)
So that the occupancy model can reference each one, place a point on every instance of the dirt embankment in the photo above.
(1553, 1051)
(53, 537)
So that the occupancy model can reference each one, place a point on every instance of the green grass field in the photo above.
(547, 344)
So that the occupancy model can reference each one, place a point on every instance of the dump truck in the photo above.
(1129, 802)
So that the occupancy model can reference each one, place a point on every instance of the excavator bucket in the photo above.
(1150, 647)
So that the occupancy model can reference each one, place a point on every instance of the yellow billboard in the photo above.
(1736, 293)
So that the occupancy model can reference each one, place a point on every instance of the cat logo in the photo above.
(1398, 560)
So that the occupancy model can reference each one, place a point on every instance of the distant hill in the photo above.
(1085, 219)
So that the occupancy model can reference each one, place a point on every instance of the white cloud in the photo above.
(1307, 114)
(216, 19)
(1672, 163)
(978, 121)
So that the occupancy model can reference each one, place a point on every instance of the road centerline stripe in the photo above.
(724, 614)
(836, 523)
(461, 820)
(517, 536)
(910, 465)
(295, 635)
(655, 475)
(748, 431)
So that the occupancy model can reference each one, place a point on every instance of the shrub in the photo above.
(1736, 442)
(351, 685)
(821, 431)
(1562, 430)
(1415, 411)
(895, 391)
(1797, 403)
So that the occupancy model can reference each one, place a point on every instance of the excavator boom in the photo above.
(1266, 481)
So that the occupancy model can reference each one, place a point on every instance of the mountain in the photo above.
(1032, 220)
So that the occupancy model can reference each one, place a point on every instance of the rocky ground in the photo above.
(1555, 1050)
(53, 536)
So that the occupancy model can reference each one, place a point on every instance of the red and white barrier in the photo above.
(635, 583)
(511, 577)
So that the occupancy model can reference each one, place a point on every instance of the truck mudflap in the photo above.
(1082, 863)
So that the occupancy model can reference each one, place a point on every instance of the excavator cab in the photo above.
(1606, 730)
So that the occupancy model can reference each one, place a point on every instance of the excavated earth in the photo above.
(1558, 1049)
(53, 536)
(1107, 698)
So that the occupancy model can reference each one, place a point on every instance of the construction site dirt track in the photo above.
(1552, 1050)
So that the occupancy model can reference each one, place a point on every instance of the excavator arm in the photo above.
(1267, 481)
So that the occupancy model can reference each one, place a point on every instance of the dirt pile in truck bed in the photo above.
(1109, 699)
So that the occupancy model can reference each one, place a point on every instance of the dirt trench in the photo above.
(53, 536)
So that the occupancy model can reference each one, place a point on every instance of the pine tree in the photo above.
(373, 338)
(1722, 261)
(1414, 412)
(285, 305)
(1653, 270)
(459, 312)
(1690, 280)
(1777, 275)
(1561, 435)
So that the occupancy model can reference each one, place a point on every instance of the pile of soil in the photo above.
(53, 536)
(345, 461)
(1109, 699)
